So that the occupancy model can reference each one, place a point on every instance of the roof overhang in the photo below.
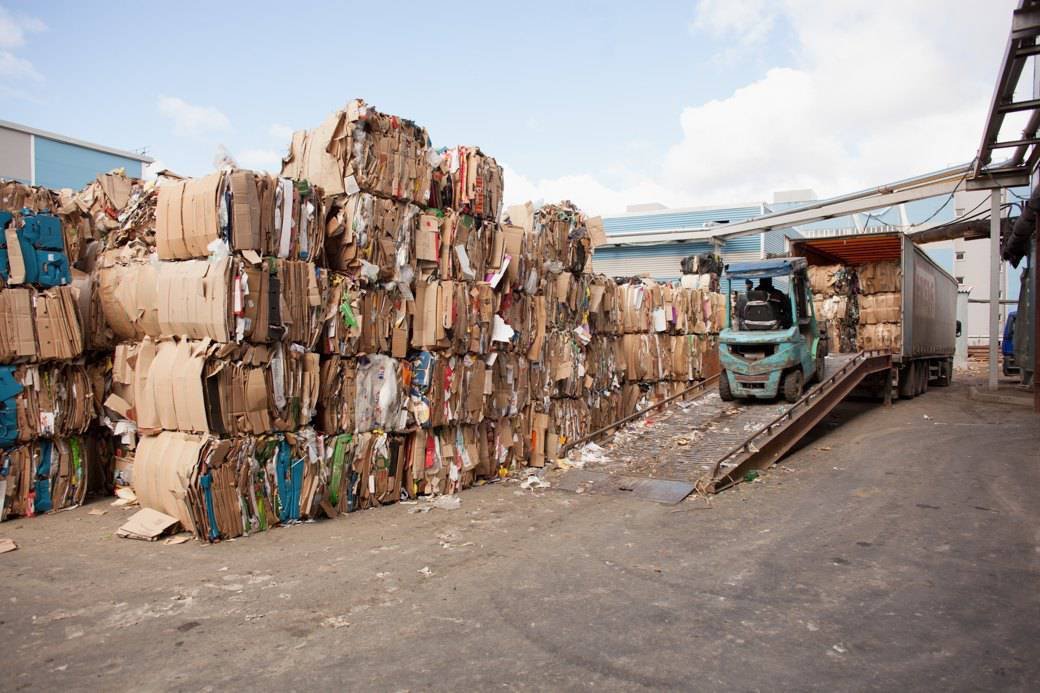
(944, 182)
(73, 141)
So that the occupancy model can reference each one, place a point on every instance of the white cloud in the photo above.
(261, 160)
(875, 91)
(752, 20)
(13, 28)
(13, 32)
(13, 67)
(586, 191)
(190, 120)
(282, 132)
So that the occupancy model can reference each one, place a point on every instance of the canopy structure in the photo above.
(777, 267)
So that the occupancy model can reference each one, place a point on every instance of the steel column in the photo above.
(994, 285)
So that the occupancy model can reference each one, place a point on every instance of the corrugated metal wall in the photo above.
(63, 165)
(679, 219)
(662, 261)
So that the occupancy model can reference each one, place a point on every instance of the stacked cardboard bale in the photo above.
(861, 305)
(46, 401)
(360, 330)
(670, 338)
(880, 306)
(836, 304)
(215, 371)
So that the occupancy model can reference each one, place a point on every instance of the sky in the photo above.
(604, 103)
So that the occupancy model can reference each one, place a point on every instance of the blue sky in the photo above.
(607, 103)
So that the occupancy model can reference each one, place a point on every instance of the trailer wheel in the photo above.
(792, 385)
(924, 375)
(725, 394)
(908, 381)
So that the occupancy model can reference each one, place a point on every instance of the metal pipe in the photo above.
(994, 284)
(620, 422)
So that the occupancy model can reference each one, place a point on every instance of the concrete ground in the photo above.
(896, 549)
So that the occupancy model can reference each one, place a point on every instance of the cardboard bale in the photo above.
(43, 476)
(369, 236)
(54, 400)
(17, 326)
(58, 327)
(197, 386)
(825, 280)
(561, 237)
(879, 277)
(376, 471)
(242, 211)
(510, 385)
(883, 307)
(359, 148)
(467, 180)
(342, 316)
(337, 395)
(605, 363)
(882, 336)
(224, 488)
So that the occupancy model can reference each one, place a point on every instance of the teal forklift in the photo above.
(771, 344)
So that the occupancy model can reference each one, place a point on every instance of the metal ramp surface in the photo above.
(708, 444)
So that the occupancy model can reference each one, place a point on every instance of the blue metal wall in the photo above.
(62, 165)
(678, 219)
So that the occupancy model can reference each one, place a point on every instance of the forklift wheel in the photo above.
(792, 385)
(725, 394)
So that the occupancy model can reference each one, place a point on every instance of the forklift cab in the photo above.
(771, 343)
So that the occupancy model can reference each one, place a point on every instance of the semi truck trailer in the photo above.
(925, 311)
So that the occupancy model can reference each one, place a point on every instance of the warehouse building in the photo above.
(38, 157)
(638, 241)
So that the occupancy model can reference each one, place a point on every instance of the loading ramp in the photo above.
(706, 445)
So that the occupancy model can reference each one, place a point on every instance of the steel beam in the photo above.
(998, 178)
(1025, 23)
(1015, 143)
(1016, 106)
(839, 209)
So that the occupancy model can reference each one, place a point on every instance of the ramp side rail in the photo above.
(767, 445)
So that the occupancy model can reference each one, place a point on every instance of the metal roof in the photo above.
(79, 143)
